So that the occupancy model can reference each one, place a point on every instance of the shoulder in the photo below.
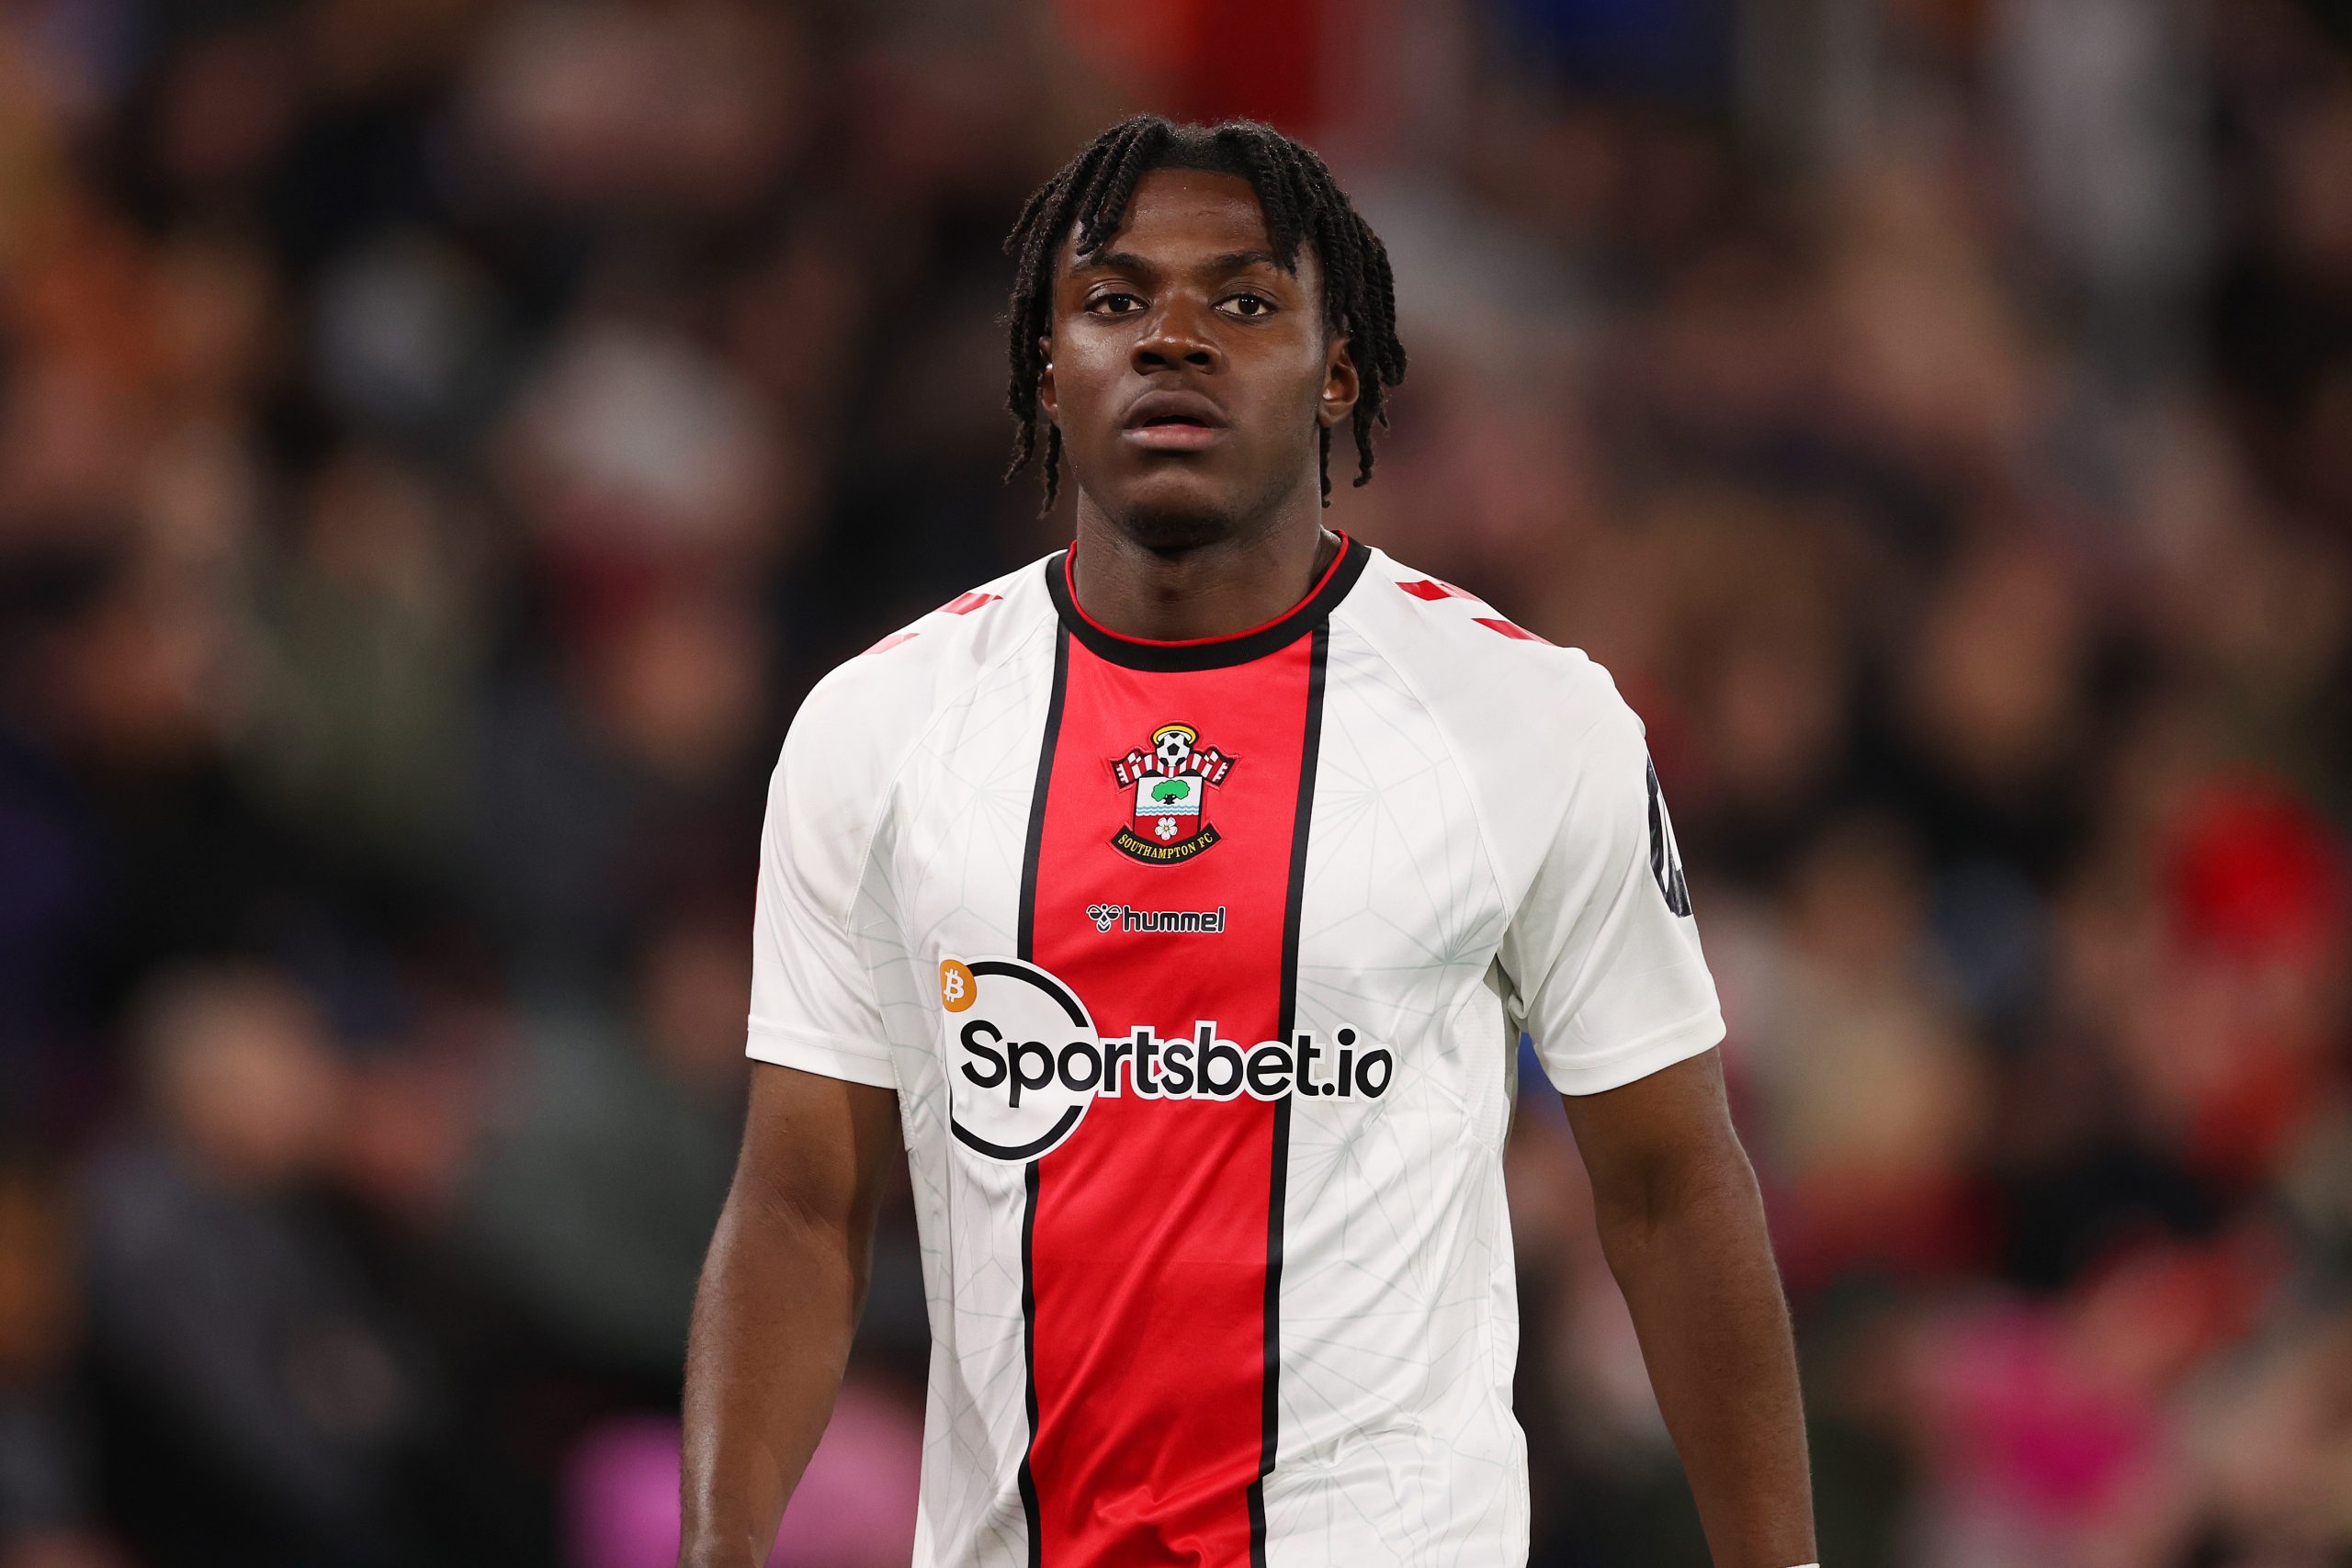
(1504, 694)
(867, 710)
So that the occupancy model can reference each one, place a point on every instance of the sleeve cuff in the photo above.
(1662, 1048)
(855, 1061)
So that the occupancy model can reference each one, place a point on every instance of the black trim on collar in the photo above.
(1208, 653)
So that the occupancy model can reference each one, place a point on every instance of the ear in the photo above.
(1047, 399)
(1341, 387)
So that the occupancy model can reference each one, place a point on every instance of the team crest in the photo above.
(1168, 785)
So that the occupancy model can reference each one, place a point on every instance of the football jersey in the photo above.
(1198, 969)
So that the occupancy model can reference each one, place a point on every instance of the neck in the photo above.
(1209, 590)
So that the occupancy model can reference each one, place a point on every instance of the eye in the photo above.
(1094, 305)
(1264, 307)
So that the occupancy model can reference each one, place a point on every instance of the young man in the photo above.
(1172, 908)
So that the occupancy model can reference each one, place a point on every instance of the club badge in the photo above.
(1169, 783)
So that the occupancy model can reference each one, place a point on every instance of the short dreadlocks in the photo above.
(1301, 201)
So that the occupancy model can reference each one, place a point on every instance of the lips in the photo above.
(1170, 420)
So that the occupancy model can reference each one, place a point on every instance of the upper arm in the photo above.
(813, 998)
(1647, 1140)
(819, 1152)
(821, 1135)
(1602, 953)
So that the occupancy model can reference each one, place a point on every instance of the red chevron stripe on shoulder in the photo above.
(1430, 587)
(1497, 624)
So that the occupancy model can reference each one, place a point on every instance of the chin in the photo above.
(1168, 519)
(1174, 533)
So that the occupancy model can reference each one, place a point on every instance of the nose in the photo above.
(1175, 336)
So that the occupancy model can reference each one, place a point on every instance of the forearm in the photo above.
(773, 1318)
(1695, 1263)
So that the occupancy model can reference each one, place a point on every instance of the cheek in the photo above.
(1083, 381)
(1279, 402)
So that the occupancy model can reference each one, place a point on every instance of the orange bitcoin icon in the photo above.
(958, 989)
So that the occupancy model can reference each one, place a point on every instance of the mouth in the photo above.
(1173, 435)
(1173, 422)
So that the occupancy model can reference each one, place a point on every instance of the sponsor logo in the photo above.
(1127, 917)
(1025, 1063)
(1170, 781)
(1665, 855)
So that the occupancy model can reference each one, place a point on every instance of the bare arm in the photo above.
(780, 1296)
(1682, 1225)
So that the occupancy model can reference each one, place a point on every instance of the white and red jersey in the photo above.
(1198, 970)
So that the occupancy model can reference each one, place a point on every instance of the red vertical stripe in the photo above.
(1150, 1243)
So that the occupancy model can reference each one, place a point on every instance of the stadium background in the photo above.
(440, 440)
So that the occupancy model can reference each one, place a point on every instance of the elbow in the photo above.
(821, 1240)
(1664, 1194)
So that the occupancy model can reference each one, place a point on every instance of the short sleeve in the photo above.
(812, 996)
(1602, 955)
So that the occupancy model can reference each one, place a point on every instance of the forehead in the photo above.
(1177, 216)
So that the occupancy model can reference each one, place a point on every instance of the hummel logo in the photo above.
(1127, 917)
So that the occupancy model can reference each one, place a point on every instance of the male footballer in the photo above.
(1171, 907)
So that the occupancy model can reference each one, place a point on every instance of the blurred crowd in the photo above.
(440, 440)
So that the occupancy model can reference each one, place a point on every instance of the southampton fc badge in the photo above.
(1169, 782)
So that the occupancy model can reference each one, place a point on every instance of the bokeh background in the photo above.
(440, 440)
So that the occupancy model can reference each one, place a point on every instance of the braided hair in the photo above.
(1301, 201)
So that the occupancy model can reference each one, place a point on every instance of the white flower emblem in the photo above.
(1167, 829)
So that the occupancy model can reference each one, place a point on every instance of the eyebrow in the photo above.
(1127, 261)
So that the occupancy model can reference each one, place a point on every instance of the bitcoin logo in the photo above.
(957, 990)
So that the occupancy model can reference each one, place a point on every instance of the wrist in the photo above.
(695, 1553)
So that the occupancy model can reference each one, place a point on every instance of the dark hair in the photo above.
(1301, 201)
